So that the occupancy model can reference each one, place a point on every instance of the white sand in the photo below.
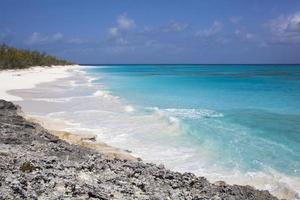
(29, 78)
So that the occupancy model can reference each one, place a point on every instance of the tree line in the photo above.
(13, 58)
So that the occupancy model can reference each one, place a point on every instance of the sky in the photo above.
(156, 31)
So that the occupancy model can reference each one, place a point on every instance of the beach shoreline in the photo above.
(20, 79)
(87, 140)
(30, 77)
(57, 128)
(37, 164)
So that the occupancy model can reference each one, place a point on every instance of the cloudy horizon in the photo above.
(157, 32)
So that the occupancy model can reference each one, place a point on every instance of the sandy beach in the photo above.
(62, 93)
(111, 100)
(29, 78)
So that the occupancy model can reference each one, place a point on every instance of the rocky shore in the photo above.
(34, 164)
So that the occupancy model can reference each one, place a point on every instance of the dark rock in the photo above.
(92, 138)
(5, 105)
(37, 165)
(27, 167)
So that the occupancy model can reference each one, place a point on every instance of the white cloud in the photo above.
(263, 44)
(286, 29)
(75, 41)
(37, 38)
(113, 31)
(216, 27)
(125, 23)
(237, 32)
(151, 43)
(235, 19)
(171, 27)
(122, 41)
(249, 35)
(243, 35)
(5, 34)
(174, 27)
(57, 36)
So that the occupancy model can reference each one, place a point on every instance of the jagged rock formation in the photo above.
(37, 165)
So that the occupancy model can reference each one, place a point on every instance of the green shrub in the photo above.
(12, 58)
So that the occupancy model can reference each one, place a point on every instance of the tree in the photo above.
(12, 58)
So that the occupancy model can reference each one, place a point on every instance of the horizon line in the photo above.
(188, 64)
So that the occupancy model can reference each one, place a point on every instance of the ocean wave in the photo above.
(104, 94)
(129, 108)
(91, 79)
(62, 99)
(83, 81)
(54, 100)
(156, 137)
(183, 113)
(280, 185)
(92, 67)
(123, 131)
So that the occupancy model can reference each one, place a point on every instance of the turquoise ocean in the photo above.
(237, 123)
(243, 118)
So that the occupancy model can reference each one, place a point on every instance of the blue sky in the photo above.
(156, 31)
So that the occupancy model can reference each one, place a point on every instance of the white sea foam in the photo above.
(91, 79)
(92, 67)
(55, 100)
(284, 187)
(185, 113)
(100, 93)
(104, 94)
(192, 113)
(129, 108)
(158, 136)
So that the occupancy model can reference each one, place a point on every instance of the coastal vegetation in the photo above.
(13, 58)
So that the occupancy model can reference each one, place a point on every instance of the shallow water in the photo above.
(240, 124)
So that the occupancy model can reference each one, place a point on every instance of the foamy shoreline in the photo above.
(29, 78)
(37, 165)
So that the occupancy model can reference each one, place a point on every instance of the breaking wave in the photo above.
(157, 135)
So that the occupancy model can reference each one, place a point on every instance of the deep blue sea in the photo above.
(236, 123)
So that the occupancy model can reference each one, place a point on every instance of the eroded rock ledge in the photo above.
(35, 164)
